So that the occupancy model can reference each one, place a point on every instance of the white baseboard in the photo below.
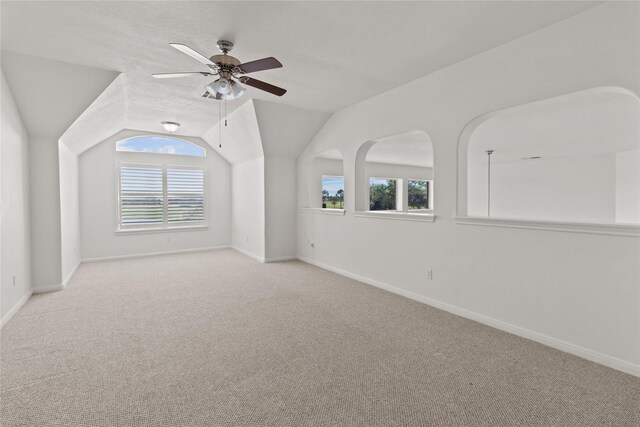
(585, 353)
(66, 281)
(15, 309)
(249, 254)
(48, 288)
(281, 258)
(147, 254)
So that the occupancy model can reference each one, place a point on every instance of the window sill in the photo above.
(128, 231)
(401, 216)
(571, 227)
(323, 211)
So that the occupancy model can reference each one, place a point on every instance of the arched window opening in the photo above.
(161, 192)
(574, 158)
(395, 174)
(160, 145)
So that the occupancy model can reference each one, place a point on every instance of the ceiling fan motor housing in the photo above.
(225, 59)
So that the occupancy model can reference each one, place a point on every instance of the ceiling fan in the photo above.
(230, 70)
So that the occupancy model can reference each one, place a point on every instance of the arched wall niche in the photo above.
(570, 158)
(326, 180)
(395, 161)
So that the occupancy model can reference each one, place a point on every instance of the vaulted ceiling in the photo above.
(335, 54)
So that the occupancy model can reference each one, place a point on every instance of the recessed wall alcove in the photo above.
(571, 158)
(394, 174)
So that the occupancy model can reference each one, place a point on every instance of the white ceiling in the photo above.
(409, 149)
(286, 131)
(333, 154)
(591, 122)
(106, 116)
(240, 140)
(50, 95)
(334, 53)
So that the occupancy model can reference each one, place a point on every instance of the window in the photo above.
(418, 194)
(141, 196)
(160, 196)
(382, 194)
(332, 192)
(185, 195)
(160, 145)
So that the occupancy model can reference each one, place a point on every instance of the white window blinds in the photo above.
(156, 196)
(185, 195)
(141, 196)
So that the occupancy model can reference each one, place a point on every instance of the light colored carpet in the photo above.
(217, 339)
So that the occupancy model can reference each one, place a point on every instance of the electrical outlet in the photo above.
(430, 274)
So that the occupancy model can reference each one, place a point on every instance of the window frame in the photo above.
(429, 208)
(165, 226)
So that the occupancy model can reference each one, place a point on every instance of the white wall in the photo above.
(248, 207)
(574, 189)
(280, 208)
(98, 204)
(69, 211)
(628, 187)
(44, 191)
(15, 256)
(579, 292)
(386, 170)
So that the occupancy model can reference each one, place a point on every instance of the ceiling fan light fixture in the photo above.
(225, 89)
(222, 86)
(237, 90)
(170, 127)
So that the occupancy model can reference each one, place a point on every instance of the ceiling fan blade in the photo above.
(260, 64)
(259, 84)
(192, 53)
(173, 75)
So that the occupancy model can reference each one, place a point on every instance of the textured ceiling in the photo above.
(592, 122)
(334, 53)
(50, 95)
(286, 131)
(240, 140)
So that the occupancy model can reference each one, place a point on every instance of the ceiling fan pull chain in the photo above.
(225, 112)
(219, 126)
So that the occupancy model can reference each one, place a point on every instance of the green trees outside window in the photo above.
(382, 194)
(332, 192)
(418, 194)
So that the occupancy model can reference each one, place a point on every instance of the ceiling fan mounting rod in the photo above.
(225, 46)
